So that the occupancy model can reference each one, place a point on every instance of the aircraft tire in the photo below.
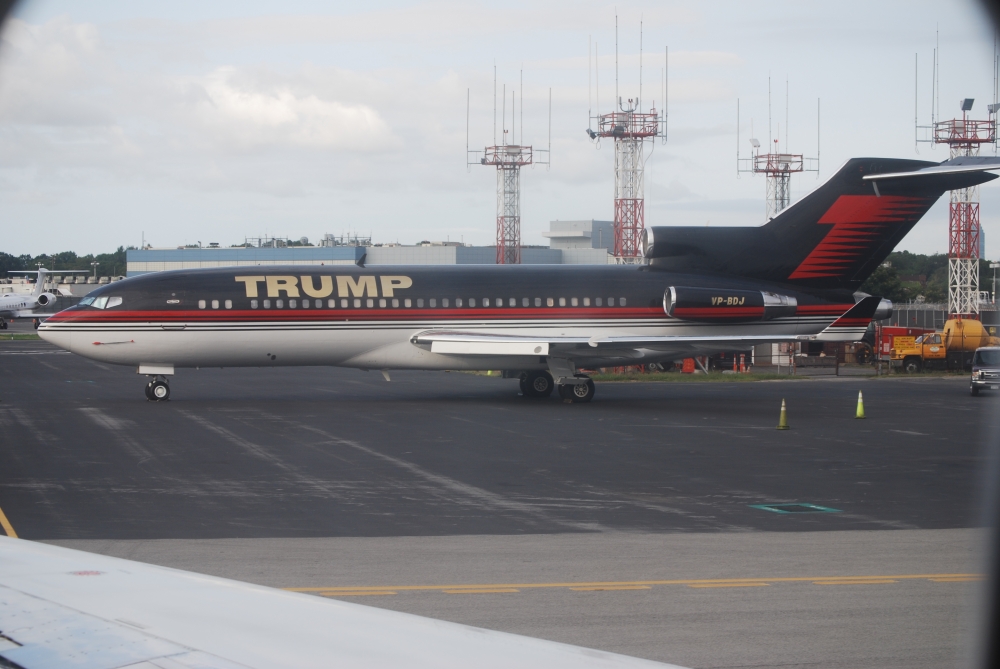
(537, 384)
(578, 393)
(149, 392)
(159, 391)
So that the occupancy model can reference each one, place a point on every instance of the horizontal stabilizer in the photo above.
(851, 326)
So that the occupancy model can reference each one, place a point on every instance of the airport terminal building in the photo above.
(587, 242)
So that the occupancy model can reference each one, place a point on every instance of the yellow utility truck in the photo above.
(952, 348)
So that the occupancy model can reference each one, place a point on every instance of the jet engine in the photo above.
(46, 299)
(884, 310)
(721, 304)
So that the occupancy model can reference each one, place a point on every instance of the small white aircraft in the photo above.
(66, 608)
(17, 305)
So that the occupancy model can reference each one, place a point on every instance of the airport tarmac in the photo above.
(632, 524)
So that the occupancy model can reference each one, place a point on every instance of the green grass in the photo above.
(18, 337)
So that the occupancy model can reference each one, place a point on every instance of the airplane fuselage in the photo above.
(367, 317)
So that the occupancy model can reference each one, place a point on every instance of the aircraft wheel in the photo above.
(159, 391)
(149, 392)
(36, 323)
(580, 392)
(537, 384)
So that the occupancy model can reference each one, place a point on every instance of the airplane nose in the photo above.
(63, 340)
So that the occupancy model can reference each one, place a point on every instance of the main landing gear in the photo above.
(158, 390)
(36, 323)
(541, 384)
(3, 324)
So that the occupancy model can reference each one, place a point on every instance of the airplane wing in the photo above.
(66, 608)
(850, 326)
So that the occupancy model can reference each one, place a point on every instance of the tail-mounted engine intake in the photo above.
(46, 299)
(710, 304)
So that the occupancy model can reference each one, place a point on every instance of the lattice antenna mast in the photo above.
(631, 129)
(964, 137)
(508, 157)
(776, 165)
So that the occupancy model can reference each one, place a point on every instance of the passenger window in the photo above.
(538, 301)
(357, 303)
(598, 301)
(621, 301)
(472, 301)
(513, 302)
(525, 302)
(114, 302)
(370, 303)
(458, 302)
(291, 304)
(319, 304)
(395, 304)
(267, 304)
(420, 303)
(305, 304)
(279, 304)
(331, 304)
(381, 303)
(407, 303)
(253, 304)
(229, 304)
(549, 302)
(433, 302)
(102, 300)
(562, 301)
(486, 301)
(611, 301)
(574, 302)
(586, 301)
(444, 302)
(215, 304)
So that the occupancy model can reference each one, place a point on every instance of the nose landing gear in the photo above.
(158, 390)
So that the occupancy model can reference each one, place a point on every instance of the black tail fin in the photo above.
(833, 238)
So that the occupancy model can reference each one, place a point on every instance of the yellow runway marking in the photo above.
(856, 581)
(605, 588)
(357, 593)
(471, 588)
(7, 527)
(755, 584)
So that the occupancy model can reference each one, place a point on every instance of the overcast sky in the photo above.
(215, 121)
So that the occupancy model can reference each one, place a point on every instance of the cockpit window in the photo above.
(86, 302)
(100, 302)
(113, 302)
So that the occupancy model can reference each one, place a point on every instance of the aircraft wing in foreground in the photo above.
(61, 608)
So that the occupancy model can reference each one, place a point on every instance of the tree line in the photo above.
(108, 264)
(906, 276)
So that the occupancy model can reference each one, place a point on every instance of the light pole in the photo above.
(94, 265)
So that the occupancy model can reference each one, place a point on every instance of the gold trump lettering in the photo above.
(364, 286)
(728, 301)
(325, 286)
(289, 285)
(251, 284)
(390, 283)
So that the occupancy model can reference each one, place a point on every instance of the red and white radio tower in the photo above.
(630, 128)
(508, 158)
(964, 137)
(776, 166)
